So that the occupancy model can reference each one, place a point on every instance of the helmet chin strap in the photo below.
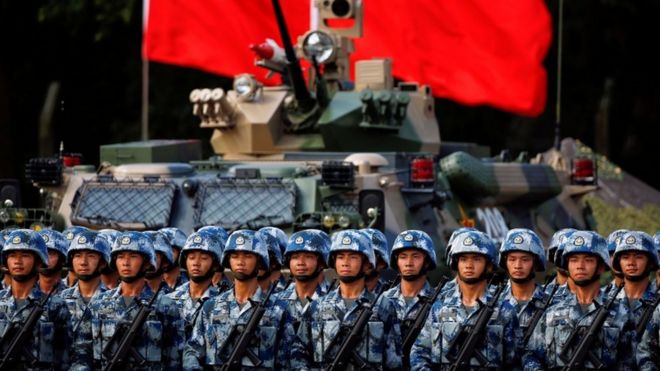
(25, 277)
(414, 277)
(200, 279)
(131, 279)
(55, 270)
(88, 277)
(530, 277)
(473, 281)
(246, 277)
(308, 277)
(589, 281)
(639, 277)
(351, 279)
(153, 274)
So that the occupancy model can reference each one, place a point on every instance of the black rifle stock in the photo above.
(17, 343)
(583, 350)
(537, 315)
(417, 326)
(125, 347)
(646, 315)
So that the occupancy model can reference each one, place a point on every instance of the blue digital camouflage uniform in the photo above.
(78, 309)
(189, 309)
(218, 327)
(525, 311)
(325, 325)
(157, 342)
(648, 351)
(407, 311)
(634, 310)
(447, 317)
(50, 336)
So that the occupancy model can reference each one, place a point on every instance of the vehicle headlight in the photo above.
(247, 87)
(319, 45)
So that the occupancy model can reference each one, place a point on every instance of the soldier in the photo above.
(555, 250)
(112, 313)
(635, 257)
(449, 286)
(521, 256)
(5, 280)
(109, 277)
(172, 275)
(69, 233)
(648, 351)
(50, 278)
(88, 254)
(23, 254)
(276, 241)
(164, 260)
(613, 241)
(413, 255)
(219, 279)
(656, 241)
(585, 257)
(473, 256)
(326, 324)
(200, 256)
(222, 319)
(373, 280)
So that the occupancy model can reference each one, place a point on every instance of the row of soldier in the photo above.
(201, 319)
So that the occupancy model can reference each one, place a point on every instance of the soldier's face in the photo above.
(410, 262)
(348, 263)
(53, 256)
(471, 266)
(303, 263)
(583, 266)
(198, 263)
(20, 263)
(129, 263)
(634, 263)
(519, 264)
(243, 262)
(85, 262)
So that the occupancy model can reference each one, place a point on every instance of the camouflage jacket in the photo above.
(180, 281)
(648, 351)
(448, 288)
(407, 312)
(219, 326)
(294, 306)
(552, 332)
(156, 343)
(526, 311)
(188, 308)
(448, 317)
(328, 321)
(50, 336)
(78, 309)
(635, 311)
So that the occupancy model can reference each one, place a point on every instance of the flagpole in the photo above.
(560, 28)
(145, 75)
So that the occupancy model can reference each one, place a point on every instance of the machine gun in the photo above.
(348, 351)
(125, 339)
(583, 350)
(539, 312)
(470, 336)
(416, 327)
(17, 342)
(646, 315)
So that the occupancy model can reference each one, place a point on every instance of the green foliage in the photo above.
(610, 218)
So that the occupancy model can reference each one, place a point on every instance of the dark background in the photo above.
(92, 48)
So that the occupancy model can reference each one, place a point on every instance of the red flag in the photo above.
(471, 51)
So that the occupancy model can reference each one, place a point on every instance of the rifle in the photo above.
(17, 343)
(476, 333)
(646, 315)
(125, 347)
(241, 347)
(539, 312)
(348, 349)
(417, 326)
(583, 350)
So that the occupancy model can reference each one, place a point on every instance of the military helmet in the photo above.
(614, 239)
(587, 242)
(636, 241)
(308, 240)
(55, 241)
(275, 240)
(26, 240)
(110, 235)
(413, 239)
(201, 241)
(474, 242)
(453, 236)
(351, 240)
(162, 245)
(4, 236)
(247, 241)
(219, 233)
(175, 235)
(557, 244)
(92, 241)
(522, 239)
(71, 232)
(134, 242)
(379, 243)
(656, 240)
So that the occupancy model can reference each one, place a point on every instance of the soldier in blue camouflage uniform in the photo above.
(328, 321)
(585, 257)
(87, 256)
(109, 277)
(23, 254)
(114, 310)
(562, 280)
(656, 241)
(172, 274)
(223, 318)
(219, 279)
(164, 260)
(449, 286)
(276, 241)
(412, 255)
(648, 351)
(69, 233)
(613, 241)
(50, 278)
(635, 257)
(5, 279)
(374, 279)
(521, 255)
(473, 256)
